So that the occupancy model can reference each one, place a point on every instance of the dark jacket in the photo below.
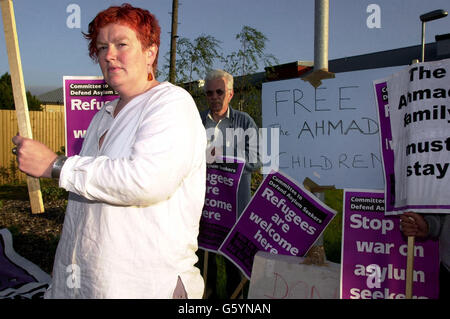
(242, 120)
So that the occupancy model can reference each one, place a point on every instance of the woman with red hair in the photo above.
(136, 189)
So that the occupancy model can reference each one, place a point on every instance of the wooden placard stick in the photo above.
(205, 271)
(20, 98)
(410, 255)
(316, 254)
(239, 288)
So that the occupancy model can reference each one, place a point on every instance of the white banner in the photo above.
(330, 133)
(419, 112)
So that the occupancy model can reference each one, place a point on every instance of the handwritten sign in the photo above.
(414, 115)
(83, 97)
(374, 252)
(329, 133)
(282, 218)
(287, 277)
(219, 213)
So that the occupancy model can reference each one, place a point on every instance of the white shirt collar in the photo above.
(227, 115)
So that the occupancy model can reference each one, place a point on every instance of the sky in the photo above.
(50, 49)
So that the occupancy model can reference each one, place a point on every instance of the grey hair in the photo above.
(218, 74)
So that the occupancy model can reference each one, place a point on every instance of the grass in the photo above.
(333, 233)
(51, 191)
(35, 236)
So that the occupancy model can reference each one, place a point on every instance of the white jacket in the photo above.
(135, 204)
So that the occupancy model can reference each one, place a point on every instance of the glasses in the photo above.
(219, 92)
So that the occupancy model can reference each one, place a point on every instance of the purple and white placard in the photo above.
(282, 218)
(219, 213)
(83, 97)
(414, 115)
(374, 252)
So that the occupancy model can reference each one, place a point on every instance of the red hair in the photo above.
(141, 21)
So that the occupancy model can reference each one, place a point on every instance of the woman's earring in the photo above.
(150, 77)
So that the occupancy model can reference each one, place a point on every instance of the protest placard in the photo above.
(414, 115)
(289, 277)
(83, 97)
(329, 133)
(219, 212)
(373, 260)
(282, 218)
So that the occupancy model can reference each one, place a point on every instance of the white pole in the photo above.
(321, 18)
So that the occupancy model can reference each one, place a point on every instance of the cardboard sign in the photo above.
(329, 133)
(286, 277)
(282, 218)
(374, 252)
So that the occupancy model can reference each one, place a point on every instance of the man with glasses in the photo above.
(230, 133)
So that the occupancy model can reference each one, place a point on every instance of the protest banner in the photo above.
(83, 97)
(282, 218)
(373, 260)
(329, 133)
(414, 115)
(219, 212)
(19, 277)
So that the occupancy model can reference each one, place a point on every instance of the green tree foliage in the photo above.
(243, 63)
(7, 97)
(6, 94)
(194, 58)
(251, 53)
